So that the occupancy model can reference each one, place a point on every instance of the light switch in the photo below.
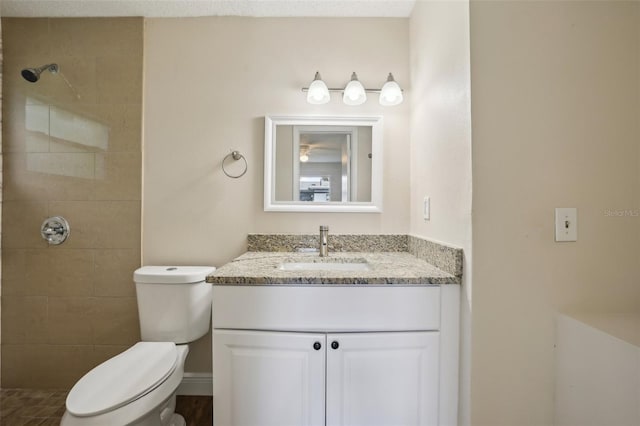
(566, 224)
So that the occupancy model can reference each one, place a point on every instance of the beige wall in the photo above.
(209, 82)
(73, 152)
(556, 110)
(0, 197)
(441, 144)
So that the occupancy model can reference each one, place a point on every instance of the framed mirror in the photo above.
(323, 164)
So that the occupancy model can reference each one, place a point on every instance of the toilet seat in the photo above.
(123, 378)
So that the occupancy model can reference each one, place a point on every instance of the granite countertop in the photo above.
(262, 267)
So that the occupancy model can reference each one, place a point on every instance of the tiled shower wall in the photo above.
(72, 148)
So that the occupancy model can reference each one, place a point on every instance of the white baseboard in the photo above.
(196, 384)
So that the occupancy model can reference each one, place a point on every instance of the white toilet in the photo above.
(138, 386)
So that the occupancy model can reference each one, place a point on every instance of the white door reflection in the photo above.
(322, 171)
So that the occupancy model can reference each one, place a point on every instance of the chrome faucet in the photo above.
(324, 245)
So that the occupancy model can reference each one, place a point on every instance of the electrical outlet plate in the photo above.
(566, 224)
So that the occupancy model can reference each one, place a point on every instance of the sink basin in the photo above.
(324, 266)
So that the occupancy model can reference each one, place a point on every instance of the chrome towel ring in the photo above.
(236, 156)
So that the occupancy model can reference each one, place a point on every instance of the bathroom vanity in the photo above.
(352, 339)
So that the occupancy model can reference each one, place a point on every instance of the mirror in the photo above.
(323, 164)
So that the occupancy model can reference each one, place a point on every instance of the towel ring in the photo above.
(236, 156)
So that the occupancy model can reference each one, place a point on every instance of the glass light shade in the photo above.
(354, 93)
(304, 158)
(318, 92)
(391, 94)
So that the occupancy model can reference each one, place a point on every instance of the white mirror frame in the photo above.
(374, 206)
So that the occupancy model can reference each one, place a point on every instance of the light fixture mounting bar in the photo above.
(306, 89)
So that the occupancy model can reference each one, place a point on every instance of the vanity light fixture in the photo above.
(318, 93)
(354, 92)
(391, 93)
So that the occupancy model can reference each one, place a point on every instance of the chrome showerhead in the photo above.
(33, 74)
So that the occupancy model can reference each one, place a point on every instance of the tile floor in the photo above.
(26, 407)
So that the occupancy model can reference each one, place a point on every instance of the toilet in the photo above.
(138, 386)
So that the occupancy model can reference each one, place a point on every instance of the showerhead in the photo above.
(33, 74)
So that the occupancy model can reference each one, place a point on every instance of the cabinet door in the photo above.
(265, 378)
(385, 379)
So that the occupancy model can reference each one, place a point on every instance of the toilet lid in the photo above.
(123, 378)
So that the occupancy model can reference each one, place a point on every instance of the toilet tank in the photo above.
(174, 302)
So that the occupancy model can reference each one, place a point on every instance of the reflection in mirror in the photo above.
(323, 164)
(60, 141)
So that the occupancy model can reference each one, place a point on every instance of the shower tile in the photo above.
(97, 36)
(65, 365)
(26, 128)
(38, 270)
(69, 321)
(25, 219)
(22, 127)
(11, 79)
(53, 133)
(114, 272)
(23, 319)
(116, 83)
(115, 321)
(101, 353)
(75, 130)
(35, 141)
(23, 185)
(25, 272)
(118, 176)
(117, 225)
(50, 366)
(62, 188)
(75, 83)
(71, 272)
(100, 224)
(74, 165)
(80, 215)
(124, 122)
(14, 41)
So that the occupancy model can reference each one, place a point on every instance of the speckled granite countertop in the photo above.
(262, 267)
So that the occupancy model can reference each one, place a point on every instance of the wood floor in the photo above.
(196, 410)
(27, 407)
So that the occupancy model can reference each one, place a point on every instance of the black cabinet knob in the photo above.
(317, 346)
(335, 344)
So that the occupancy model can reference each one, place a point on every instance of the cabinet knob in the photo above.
(317, 346)
(335, 344)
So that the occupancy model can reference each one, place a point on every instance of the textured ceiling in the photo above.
(177, 8)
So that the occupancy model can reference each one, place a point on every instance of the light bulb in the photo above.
(390, 94)
(318, 92)
(304, 158)
(354, 93)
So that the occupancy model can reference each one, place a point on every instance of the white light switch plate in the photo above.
(566, 224)
(426, 208)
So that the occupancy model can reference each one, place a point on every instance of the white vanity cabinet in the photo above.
(268, 379)
(335, 355)
(381, 379)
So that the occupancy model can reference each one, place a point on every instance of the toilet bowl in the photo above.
(138, 386)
